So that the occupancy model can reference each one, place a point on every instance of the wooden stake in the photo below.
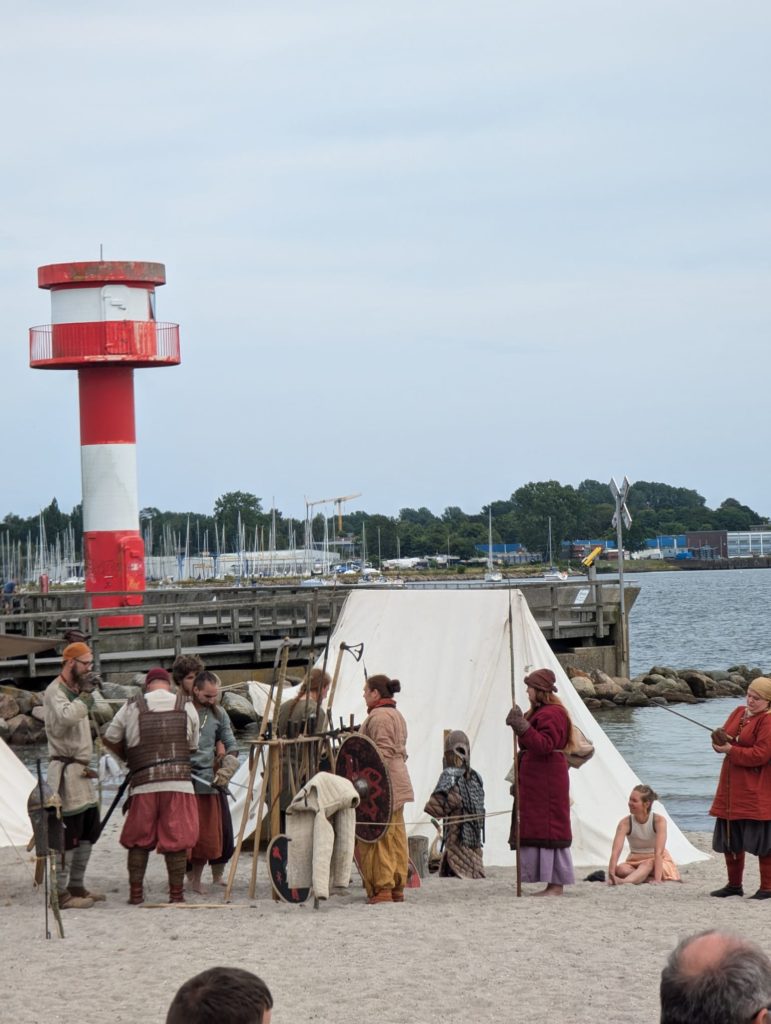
(258, 828)
(516, 752)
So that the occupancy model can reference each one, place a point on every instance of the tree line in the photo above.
(239, 520)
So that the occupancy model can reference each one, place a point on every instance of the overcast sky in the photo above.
(425, 251)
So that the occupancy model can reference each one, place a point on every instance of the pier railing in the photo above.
(242, 627)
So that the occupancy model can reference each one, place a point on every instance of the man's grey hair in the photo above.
(730, 990)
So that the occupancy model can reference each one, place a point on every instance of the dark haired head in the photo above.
(184, 665)
(385, 687)
(205, 677)
(221, 995)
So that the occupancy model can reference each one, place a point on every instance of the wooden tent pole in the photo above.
(516, 753)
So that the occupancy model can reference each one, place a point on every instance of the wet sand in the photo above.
(454, 951)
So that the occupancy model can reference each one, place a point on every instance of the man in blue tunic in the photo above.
(214, 764)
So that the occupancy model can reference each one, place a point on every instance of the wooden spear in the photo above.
(516, 752)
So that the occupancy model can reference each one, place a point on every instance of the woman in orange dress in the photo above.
(383, 865)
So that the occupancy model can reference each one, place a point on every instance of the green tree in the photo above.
(535, 503)
(227, 509)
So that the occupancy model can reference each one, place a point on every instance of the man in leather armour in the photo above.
(155, 734)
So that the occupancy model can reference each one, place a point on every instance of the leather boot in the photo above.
(137, 865)
(175, 869)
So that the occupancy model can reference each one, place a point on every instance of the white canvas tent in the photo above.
(17, 784)
(451, 651)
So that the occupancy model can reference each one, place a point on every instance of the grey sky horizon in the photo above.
(427, 252)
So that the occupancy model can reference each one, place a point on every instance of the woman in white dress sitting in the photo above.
(646, 832)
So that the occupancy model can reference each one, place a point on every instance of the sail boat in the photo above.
(492, 575)
(553, 573)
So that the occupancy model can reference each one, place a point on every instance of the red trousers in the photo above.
(208, 846)
(167, 822)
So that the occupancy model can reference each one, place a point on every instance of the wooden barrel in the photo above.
(418, 847)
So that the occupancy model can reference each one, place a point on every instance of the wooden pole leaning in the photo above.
(282, 655)
(516, 752)
(267, 790)
(258, 820)
(325, 716)
(253, 763)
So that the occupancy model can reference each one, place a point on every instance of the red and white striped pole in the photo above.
(103, 325)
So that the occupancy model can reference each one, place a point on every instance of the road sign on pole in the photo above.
(621, 515)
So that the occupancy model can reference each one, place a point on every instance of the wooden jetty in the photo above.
(242, 627)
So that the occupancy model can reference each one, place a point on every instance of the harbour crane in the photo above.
(337, 502)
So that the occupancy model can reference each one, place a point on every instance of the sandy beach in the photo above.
(454, 951)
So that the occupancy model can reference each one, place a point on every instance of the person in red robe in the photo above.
(742, 804)
(545, 835)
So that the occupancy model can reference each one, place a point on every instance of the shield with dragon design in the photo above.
(359, 761)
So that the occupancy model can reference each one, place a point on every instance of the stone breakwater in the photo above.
(675, 686)
(21, 711)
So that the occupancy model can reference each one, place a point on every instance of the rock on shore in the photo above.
(676, 686)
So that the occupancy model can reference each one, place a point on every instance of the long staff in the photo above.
(44, 820)
(516, 753)
(254, 761)
(657, 702)
(272, 791)
(325, 717)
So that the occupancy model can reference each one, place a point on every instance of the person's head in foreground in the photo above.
(716, 978)
(222, 995)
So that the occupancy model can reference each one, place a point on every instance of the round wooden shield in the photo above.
(277, 865)
(359, 759)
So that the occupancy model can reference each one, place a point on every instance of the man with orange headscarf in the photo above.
(67, 702)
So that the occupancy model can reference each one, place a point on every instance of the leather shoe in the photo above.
(762, 894)
(69, 902)
(728, 890)
(87, 894)
(384, 896)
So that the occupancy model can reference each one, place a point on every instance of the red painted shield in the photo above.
(358, 759)
(277, 864)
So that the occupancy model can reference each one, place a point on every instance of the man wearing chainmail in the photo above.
(459, 794)
(155, 734)
(66, 705)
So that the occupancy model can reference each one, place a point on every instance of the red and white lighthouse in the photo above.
(103, 325)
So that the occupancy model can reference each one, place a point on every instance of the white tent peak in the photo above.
(453, 653)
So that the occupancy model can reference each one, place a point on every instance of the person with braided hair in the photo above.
(384, 864)
(459, 798)
(302, 712)
(545, 835)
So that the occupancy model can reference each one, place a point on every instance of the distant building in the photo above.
(507, 554)
(749, 543)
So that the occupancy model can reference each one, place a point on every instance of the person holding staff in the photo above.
(384, 864)
(646, 832)
(545, 835)
(742, 804)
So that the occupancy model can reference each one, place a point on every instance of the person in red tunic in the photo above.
(544, 791)
(742, 804)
